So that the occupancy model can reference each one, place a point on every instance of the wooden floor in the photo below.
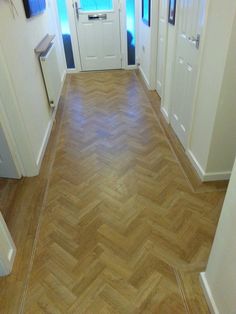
(114, 223)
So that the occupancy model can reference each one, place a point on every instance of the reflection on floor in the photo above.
(121, 229)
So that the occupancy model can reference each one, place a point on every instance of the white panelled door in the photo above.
(191, 19)
(162, 31)
(98, 25)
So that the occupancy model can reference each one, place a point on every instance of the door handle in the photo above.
(195, 40)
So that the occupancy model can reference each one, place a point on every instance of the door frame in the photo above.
(123, 35)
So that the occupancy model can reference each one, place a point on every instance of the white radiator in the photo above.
(51, 74)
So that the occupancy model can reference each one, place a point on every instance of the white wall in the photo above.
(18, 38)
(214, 109)
(220, 276)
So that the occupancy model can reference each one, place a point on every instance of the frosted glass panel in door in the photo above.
(96, 5)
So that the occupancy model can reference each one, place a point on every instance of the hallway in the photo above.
(121, 228)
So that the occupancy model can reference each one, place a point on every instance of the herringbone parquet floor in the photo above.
(122, 230)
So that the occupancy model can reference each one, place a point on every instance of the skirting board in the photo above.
(48, 131)
(208, 295)
(207, 176)
(144, 78)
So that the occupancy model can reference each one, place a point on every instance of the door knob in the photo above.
(195, 40)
